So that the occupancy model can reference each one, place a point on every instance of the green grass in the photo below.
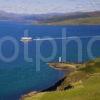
(91, 20)
(92, 66)
(86, 82)
(90, 91)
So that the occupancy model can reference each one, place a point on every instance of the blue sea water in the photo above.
(19, 76)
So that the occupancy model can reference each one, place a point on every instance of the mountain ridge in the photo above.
(45, 18)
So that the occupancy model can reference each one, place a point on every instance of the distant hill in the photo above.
(75, 18)
(52, 18)
(78, 21)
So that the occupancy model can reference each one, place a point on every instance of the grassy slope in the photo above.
(90, 91)
(86, 89)
(91, 20)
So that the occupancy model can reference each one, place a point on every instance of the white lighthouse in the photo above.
(60, 59)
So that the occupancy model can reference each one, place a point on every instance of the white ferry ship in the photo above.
(26, 39)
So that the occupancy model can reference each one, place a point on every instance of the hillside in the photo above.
(81, 84)
(78, 21)
(53, 18)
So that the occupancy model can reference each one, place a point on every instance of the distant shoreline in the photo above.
(77, 21)
(72, 18)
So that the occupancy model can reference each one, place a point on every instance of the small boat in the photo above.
(26, 39)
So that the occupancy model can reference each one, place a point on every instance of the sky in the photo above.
(48, 6)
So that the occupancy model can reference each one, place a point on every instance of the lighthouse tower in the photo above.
(60, 59)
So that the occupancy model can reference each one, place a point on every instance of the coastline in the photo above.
(63, 66)
(78, 73)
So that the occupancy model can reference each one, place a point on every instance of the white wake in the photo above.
(60, 38)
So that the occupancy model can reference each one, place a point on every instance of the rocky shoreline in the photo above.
(66, 67)
(77, 73)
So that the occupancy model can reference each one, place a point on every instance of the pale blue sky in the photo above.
(48, 6)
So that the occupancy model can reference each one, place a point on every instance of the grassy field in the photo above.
(90, 20)
(85, 82)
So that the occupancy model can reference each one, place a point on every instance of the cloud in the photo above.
(48, 6)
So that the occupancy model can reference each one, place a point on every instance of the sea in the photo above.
(24, 66)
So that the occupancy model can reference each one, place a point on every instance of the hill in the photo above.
(80, 84)
(78, 21)
(53, 18)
